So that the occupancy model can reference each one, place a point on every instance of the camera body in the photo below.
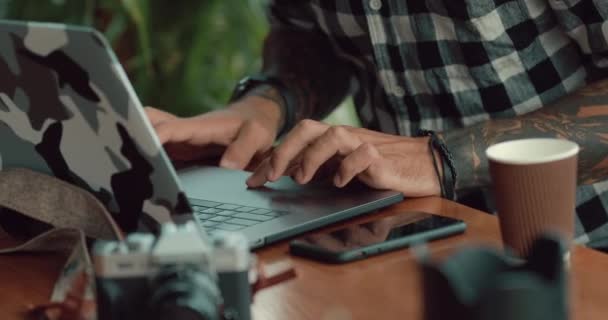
(182, 274)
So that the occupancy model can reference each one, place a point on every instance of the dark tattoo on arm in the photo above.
(581, 117)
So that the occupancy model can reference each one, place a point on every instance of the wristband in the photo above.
(448, 183)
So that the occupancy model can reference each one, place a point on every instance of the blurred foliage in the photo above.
(183, 56)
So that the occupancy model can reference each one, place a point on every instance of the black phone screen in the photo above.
(374, 232)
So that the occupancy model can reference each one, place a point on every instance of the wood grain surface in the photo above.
(381, 287)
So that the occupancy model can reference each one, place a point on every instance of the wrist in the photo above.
(267, 111)
(271, 88)
(436, 154)
(435, 170)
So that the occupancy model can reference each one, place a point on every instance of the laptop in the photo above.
(68, 109)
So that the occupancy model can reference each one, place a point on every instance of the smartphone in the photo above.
(374, 237)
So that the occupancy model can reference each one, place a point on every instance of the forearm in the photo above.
(581, 117)
(309, 68)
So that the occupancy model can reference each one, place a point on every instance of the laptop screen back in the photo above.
(67, 109)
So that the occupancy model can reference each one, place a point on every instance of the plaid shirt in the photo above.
(445, 64)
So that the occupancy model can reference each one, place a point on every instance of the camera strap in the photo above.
(53, 216)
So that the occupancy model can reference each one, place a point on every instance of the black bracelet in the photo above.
(449, 178)
(289, 109)
(432, 151)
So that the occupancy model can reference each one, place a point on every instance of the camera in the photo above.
(182, 274)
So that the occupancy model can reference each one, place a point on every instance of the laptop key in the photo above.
(211, 210)
(228, 207)
(212, 231)
(205, 203)
(260, 211)
(226, 213)
(242, 222)
(253, 217)
(209, 224)
(198, 208)
(229, 227)
(245, 209)
(219, 218)
(204, 216)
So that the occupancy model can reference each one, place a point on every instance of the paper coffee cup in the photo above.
(534, 184)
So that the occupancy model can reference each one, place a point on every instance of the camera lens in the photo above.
(184, 292)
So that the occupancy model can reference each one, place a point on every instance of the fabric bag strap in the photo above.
(55, 202)
(74, 215)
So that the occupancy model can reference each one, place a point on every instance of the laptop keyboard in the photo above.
(213, 216)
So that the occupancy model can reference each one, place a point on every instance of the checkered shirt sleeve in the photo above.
(586, 22)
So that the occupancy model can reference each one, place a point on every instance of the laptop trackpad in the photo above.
(228, 186)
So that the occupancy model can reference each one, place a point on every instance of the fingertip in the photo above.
(250, 183)
(165, 131)
(304, 178)
(163, 136)
(274, 172)
(149, 111)
(230, 164)
(270, 175)
(338, 181)
(255, 180)
(235, 158)
(299, 176)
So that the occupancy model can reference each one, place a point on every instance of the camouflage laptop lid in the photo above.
(68, 109)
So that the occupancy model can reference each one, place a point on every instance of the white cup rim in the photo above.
(532, 151)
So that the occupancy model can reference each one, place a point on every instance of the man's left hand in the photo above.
(380, 160)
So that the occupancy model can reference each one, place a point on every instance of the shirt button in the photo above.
(375, 4)
(398, 91)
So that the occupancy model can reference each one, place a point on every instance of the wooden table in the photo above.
(382, 287)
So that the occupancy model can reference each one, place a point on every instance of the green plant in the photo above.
(183, 56)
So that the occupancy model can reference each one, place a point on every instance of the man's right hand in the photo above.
(243, 130)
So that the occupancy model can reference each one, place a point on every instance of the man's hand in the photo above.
(381, 161)
(243, 130)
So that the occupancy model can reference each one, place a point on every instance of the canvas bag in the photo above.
(71, 214)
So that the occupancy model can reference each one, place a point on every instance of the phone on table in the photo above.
(374, 237)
